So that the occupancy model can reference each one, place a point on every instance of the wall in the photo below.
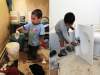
(19, 6)
(24, 7)
(41, 4)
(4, 22)
(86, 12)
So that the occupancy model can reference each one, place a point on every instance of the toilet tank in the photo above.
(13, 50)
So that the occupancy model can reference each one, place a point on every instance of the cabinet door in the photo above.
(86, 43)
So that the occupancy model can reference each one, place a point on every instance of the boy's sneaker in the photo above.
(62, 53)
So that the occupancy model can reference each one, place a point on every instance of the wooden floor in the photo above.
(53, 72)
(23, 64)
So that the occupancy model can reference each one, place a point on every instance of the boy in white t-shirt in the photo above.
(62, 30)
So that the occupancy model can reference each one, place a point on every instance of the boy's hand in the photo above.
(78, 40)
(66, 42)
(42, 42)
(17, 34)
(74, 43)
(72, 28)
(43, 45)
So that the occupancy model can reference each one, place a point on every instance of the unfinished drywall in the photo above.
(4, 22)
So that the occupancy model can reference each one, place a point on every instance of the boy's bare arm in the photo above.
(20, 29)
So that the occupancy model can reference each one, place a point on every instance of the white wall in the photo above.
(86, 12)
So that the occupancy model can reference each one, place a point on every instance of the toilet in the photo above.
(2, 74)
(13, 50)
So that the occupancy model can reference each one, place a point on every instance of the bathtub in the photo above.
(89, 42)
(96, 43)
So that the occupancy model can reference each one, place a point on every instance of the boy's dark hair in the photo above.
(69, 18)
(37, 12)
